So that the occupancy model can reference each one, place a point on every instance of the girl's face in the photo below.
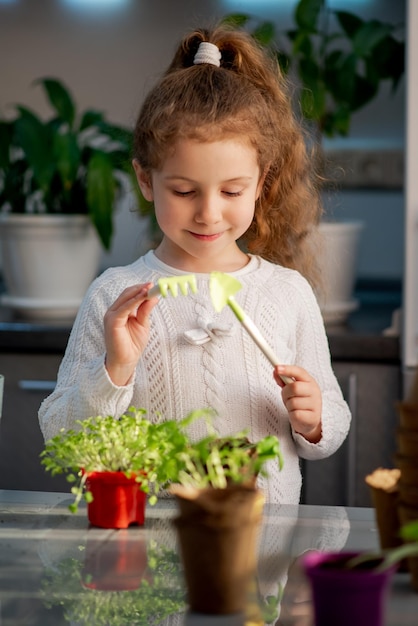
(204, 197)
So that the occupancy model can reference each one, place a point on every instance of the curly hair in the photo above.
(247, 96)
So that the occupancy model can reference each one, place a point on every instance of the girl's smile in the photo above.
(204, 197)
(206, 237)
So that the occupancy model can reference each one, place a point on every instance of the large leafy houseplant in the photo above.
(71, 163)
(339, 60)
(337, 63)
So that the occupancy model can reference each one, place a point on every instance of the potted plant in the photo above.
(351, 588)
(60, 179)
(114, 464)
(339, 60)
(338, 63)
(159, 590)
(220, 510)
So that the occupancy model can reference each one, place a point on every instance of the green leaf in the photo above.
(90, 118)
(67, 157)
(236, 20)
(283, 60)
(59, 98)
(35, 138)
(118, 134)
(364, 91)
(14, 184)
(369, 35)
(337, 121)
(264, 33)
(349, 22)
(342, 81)
(307, 14)
(302, 45)
(101, 192)
(388, 59)
(6, 135)
(409, 531)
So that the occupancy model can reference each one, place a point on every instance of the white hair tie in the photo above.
(207, 53)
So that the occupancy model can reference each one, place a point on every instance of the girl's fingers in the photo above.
(293, 371)
(131, 297)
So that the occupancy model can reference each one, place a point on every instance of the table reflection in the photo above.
(96, 577)
(54, 569)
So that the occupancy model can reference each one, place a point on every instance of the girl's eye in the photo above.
(182, 194)
(233, 194)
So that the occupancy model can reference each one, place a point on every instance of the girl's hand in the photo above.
(126, 329)
(303, 400)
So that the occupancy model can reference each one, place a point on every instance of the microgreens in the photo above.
(131, 444)
(218, 461)
(159, 453)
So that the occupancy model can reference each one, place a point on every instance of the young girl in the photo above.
(220, 154)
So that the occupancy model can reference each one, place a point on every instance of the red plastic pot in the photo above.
(342, 596)
(117, 502)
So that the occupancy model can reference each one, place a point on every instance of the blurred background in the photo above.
(109, 52)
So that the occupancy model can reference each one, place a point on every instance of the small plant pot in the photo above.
(218, 533)
(346, 597)
(407, 442)
(408, 495)
(115, 565)
(117, 502)
(409, 469)
(385, 505)
(408, 415)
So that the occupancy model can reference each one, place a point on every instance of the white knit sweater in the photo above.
(228, 373)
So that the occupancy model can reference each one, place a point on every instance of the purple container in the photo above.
(345, 597)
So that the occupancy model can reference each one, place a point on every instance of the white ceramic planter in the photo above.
(340, 242)
(48, 262)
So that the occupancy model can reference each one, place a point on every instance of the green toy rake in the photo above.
(222, 290)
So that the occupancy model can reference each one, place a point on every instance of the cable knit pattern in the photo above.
(223, 369)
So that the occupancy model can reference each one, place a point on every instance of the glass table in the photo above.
(56, 570)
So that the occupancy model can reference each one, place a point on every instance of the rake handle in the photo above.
(255, 334)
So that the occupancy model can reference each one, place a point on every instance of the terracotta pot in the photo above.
(407, 442)
(345, 597)
(408, 495)
(115, 565)
(218, 533)
(409, 469)
(408, 415)
(117, 502)
(385, 505)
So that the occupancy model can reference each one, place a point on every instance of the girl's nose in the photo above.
(208, 211)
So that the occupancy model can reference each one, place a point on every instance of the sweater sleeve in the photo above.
(312, 353)
(83, 387)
